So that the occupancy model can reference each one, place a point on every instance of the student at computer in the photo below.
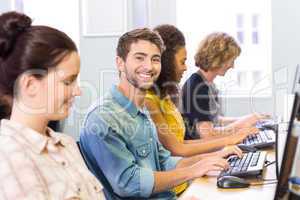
(201, 109)
(162, 100)
(163, 110)
(119, 139)
(39, 66)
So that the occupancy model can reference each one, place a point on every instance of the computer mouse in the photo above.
(232, 182)
(247, 148)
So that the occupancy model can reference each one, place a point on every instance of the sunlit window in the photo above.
(63, 15)
(249, 21)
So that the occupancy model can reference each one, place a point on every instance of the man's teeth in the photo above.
(146, 75)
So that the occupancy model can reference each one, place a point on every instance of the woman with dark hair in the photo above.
(38, 69)
(162, 100)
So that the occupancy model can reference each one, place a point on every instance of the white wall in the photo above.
(286, 48)
(238, 106)
(99, 23)
(5, 6)
(162, 12)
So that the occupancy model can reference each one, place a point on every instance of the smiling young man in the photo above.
(118, 138)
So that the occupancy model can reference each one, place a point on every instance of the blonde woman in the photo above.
(216, 54)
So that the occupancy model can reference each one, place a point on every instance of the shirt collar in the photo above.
(124, 101)
(35, 140)
(205, 80)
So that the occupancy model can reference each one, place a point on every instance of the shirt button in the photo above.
(63, 163)
(78, 190)
(144, 151)
(151, 139)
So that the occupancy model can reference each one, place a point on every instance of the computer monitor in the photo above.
(296, 83)
(289, 153)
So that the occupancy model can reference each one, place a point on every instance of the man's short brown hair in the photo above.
(133, 36)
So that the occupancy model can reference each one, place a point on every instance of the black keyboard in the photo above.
(262, 139)
(249, 164)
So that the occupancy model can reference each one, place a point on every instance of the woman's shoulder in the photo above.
(195, 78)
(195, 82)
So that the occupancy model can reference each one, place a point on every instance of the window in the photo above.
(53, 13)
(240, 28)
(255, 29)
(249, 21)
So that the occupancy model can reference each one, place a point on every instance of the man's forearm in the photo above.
(169, 179)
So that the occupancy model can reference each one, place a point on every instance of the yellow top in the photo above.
(170, 113)
(174, 120)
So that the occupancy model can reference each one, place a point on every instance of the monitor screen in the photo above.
(289, 153)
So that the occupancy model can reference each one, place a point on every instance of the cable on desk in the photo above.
(271, 179)
(264, 183)
(268, 163)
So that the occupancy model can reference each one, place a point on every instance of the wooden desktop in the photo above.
(206, 187)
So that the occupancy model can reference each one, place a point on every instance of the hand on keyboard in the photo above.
(208, 164)
(267, 125)
(252, 119)
(249, 131)
(230, 150)
(241, 134)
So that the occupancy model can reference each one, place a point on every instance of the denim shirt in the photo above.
(122, 141)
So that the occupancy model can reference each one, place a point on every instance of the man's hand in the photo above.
(252, 119)
(229, 150)
(208, 164)
(240, 135)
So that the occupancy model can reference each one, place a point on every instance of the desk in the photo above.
(206, 187)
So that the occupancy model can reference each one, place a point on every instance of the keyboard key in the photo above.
(264, 137)
(269, 134)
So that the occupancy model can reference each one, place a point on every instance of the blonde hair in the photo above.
(216, 49)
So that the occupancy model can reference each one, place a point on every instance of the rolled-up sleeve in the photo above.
(167, 161)
(108, 151)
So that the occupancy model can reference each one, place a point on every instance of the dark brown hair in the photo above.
(133, 36)
(173, 40)
(4, 107)
(24, 47)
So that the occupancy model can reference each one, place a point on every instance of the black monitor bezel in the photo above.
(286, 164)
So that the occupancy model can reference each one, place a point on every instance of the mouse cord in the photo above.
(268, 163)
(264, 182)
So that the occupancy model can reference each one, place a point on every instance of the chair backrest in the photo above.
(108, 190)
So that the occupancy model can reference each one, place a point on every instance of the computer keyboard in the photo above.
(268, 124)
(249, 164)
(264, 138)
